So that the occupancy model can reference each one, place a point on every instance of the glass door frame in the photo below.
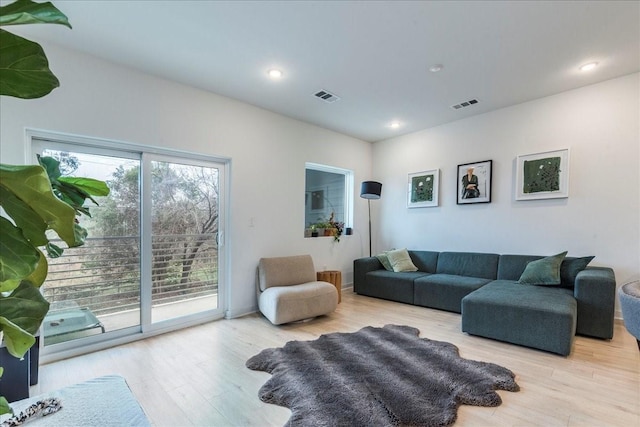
(35, 139)
(146, 308)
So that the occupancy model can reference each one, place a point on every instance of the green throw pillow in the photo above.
(544, 272)
(400, 260)
(384, 260)
(570, 269)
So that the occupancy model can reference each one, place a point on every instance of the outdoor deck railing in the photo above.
(104, 274)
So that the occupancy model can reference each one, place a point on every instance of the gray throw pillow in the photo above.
(543, 272)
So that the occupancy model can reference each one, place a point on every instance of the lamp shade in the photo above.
(370, 190)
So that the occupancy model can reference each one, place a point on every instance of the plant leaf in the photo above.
(28, 12)
(81, 233)
(54, 251)
(36, 278)
(17, 340)
(51, 166)
(34, 188)
(39, 275)
(24, 68)
(4, 406)
(25, 218)
(23, 310)
(90, 186)
(18, 257)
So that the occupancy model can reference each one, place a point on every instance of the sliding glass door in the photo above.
(184, 200)
(152, 256)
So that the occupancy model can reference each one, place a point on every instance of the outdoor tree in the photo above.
(184, 221)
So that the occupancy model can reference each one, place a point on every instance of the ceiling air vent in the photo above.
(464, 104)
(326, 96)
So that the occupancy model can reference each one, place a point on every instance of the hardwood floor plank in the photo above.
(197, 376)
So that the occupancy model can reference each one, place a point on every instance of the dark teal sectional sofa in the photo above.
(484, 288)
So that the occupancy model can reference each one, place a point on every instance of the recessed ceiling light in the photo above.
(436, 67)
(394, 125)
(275, 73)
(588, 67)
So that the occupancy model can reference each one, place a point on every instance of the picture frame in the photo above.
(317, 200)
(476, 187)
(543, 175)
(422, 189)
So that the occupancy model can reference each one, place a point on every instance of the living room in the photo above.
(267, 153)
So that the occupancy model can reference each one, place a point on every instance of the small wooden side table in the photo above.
(334, 277)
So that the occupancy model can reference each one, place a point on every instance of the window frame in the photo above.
(348, 189)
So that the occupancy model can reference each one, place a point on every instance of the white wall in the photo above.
(268, 154)
(601, 217)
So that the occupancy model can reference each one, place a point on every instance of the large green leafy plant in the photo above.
(37, 200)
(24, 68)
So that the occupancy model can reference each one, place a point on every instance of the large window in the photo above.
(328, 195)
(152, 259)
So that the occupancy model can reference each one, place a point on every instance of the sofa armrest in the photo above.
(361, 267)
(595, 291)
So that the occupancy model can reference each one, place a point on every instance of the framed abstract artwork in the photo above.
(422, 191)
(543, 175)
(474, 182)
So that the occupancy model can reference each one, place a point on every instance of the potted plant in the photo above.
(35, 198)
(330, 228)
(337, 226)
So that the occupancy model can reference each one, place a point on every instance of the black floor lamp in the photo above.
(370, 190)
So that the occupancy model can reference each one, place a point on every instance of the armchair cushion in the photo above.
(285, 271)
(289, 290)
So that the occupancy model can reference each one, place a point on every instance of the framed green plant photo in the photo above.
(543, 175)
(422, 189)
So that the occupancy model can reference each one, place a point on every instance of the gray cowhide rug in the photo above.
(377, 377)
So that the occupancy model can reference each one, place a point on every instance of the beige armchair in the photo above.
(289, 291)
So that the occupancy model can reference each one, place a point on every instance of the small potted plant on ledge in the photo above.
(329, 228)
(337, 227)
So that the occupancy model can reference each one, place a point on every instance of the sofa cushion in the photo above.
(571, 267)
(444, 291)
(510, 267)
(400, 260)
(389, 285)
(468, 264)
(541, 317)
(426, 261)
(543, 272)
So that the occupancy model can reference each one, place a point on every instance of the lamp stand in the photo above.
(369, 203)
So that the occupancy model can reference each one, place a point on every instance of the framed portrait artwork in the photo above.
(543, 175)
(474, 182)
(422, 191)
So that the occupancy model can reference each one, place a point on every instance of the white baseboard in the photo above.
(232, 314)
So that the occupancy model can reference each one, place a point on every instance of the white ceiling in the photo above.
(374, 55)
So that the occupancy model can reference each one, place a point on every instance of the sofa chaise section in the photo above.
(533, 316)
(594, 290)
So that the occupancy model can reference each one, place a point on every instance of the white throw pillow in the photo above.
(401, 261)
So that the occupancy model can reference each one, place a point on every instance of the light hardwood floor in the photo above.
(197, 377)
